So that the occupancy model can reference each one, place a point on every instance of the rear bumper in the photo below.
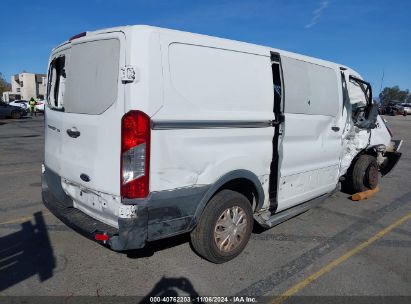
(160, 215)
(131, 234)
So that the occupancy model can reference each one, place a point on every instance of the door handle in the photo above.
(73, 132)
(335, 129)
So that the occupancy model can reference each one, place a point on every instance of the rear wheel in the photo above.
(365, 175)
(224, 227)
(15, 115)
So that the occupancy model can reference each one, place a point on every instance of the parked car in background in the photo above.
(7, 110)
(20, 103)
(387, 110)
(40, 105)
(381, 109)
(395, 109)
(407, 108)
(398, 110)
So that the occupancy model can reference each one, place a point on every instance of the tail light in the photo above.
(135, 155)
(101, 237)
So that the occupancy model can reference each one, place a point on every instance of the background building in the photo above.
(25, 86)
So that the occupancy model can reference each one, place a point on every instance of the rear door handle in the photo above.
(335, 129)
(73, 132)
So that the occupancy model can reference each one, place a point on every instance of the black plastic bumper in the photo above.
(132, 232)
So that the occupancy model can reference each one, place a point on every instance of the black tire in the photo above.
(15, 115)
(365, 175)
(203, 236)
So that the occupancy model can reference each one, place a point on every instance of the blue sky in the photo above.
(369, 36)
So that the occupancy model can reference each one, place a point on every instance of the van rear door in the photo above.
(86, 150)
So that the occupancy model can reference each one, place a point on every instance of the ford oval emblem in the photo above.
(85, 177)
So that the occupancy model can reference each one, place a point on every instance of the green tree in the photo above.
(4, 85)
(394, 94)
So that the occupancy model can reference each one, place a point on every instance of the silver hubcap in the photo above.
(230, 230)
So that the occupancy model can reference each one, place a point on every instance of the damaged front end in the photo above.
(365, 131)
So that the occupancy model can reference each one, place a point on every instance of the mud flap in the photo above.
(390, 162)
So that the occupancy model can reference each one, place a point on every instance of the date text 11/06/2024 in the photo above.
(202, 299)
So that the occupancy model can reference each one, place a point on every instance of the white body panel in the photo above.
(232, 86)
(309, 158)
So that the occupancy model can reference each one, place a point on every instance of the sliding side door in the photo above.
(310, 143)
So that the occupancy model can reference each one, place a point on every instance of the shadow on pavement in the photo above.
(172, 287)
(26, 253)
(347, 189)
(152, 247)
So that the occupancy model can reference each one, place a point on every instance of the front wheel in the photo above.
(365, 175)
(224, 227)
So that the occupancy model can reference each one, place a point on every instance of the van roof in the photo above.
(220, 42)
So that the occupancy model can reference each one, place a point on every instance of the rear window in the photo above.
(90, 78)
(55, 85)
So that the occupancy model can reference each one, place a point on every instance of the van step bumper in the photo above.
(132, 232)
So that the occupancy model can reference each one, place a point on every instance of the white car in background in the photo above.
(24, 104)
(40, 105)
(407, 107)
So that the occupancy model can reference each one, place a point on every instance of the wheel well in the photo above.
(347, 177)
(243, 186)
(368, 151)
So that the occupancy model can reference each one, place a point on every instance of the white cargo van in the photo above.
(151, 133)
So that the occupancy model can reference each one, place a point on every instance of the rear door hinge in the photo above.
(129, 74)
